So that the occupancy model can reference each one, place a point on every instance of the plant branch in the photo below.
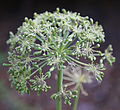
(81, 63)
(38, 69)
(59, 86)
(77, 98)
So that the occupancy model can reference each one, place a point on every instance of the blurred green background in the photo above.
(101, 97)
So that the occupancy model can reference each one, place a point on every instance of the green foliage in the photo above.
(39, 83)
(51, 39)
(66, 94)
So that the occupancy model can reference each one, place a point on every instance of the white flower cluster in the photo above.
(51, 39)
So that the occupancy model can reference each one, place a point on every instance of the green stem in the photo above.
(59, 87)
(81, 63)
(69, 43)
(76, 99)
(43, 64)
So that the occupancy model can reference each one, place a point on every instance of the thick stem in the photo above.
(76, 99)
(59, 86)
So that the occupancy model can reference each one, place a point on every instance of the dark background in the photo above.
(101, 97)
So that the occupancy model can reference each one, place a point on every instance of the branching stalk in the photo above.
(38, 69)
(81, 63)
(76, 99)
(59, 87)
